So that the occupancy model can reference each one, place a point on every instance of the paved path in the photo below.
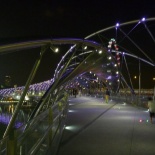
(116, 128)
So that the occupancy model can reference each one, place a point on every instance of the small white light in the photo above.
(85, 47)
(56, 50)
(117, 25)
(100, 52)
(143, 19)
(109, 57)
(71, 110)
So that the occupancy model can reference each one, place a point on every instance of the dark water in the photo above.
(5, 119)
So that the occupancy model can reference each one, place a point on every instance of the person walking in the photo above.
(151, 106)
(107, 94)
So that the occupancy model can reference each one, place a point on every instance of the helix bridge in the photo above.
(35, 113)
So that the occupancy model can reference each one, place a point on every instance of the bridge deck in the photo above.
(96, 128)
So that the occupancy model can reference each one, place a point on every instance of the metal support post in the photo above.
(31, 77)
(139, 82)
(50, 122)
(12, 143)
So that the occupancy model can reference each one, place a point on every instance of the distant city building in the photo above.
(6, 83)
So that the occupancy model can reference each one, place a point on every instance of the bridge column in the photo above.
(12, 143)
(50, 122)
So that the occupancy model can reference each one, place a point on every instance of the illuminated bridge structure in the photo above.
(107, 58)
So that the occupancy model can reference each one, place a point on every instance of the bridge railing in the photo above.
(43, 133)
(129, 98)
(39, 135)
(3, 145)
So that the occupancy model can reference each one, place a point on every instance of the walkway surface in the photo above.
(96, 128)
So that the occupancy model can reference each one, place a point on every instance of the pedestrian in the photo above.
(151, 106)
(80, 92)
(75, 92)
(107, 94)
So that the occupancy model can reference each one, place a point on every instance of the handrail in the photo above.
(37, 145)
(44, 130)
(58, 117)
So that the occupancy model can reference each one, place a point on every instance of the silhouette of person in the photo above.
(75, 92)
(107, 94)
(151, 106)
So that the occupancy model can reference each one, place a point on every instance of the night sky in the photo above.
(38, 19)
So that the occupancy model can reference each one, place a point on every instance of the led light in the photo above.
(71, 110)
(85, 47)
(110, 42)
(109, 57)
(109, 71)
(117, 25)
(109, 77)
(100, 52)
(56, 50)
(143, 19)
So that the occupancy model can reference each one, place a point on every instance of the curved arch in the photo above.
(111, 27)
(74, 63)
(139, 50)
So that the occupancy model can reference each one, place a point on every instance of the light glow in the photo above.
(100, 52)
(117, 25)
(109, 57)
(143, 19)
(71, 127)
(140, 120)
